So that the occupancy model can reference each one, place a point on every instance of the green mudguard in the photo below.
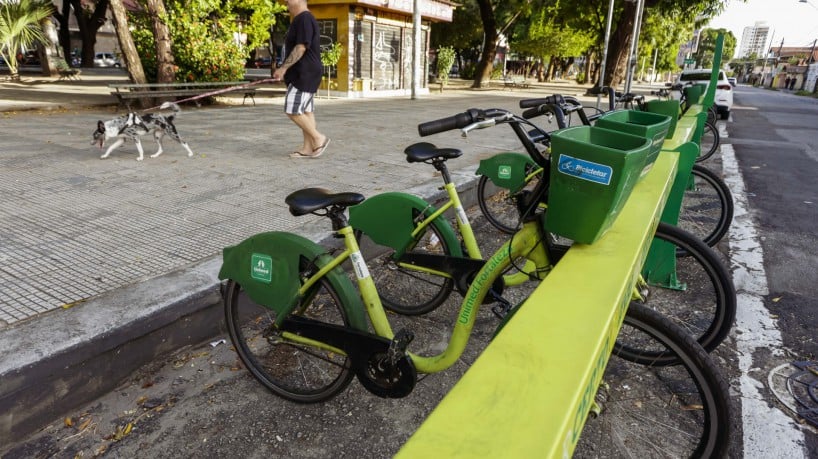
(267, 266)
(389, 219)
(507, 170)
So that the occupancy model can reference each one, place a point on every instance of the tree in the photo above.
(90, 17)
(20, 28)
(497, 17)
(165, 68)
(203, 37)
(330, 58)
(707, 46)
(128, 47)
(544, 37)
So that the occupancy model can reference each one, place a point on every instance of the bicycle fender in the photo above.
(389, 219)
(507, 170)
(267, 266)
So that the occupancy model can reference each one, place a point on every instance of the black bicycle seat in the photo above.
(424, 151)
(309, 200)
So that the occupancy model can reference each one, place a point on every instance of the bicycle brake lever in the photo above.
(478, 125)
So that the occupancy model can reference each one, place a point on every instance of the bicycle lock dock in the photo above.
(539, 376)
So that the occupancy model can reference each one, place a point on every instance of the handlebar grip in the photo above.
(555, 99)
(458, 121)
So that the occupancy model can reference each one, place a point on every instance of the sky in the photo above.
(795, 22)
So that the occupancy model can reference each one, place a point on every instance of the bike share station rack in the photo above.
(539, 376)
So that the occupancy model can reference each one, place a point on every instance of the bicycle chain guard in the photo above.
(381, 365)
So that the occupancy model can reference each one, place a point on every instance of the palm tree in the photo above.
(20, 28)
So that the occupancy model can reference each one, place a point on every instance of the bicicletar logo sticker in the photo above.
(585, 170)
(261, 267)
(504, 172)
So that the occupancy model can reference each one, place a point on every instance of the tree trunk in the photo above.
(64, 33)
(166, 71)
(126, 44)
(619, 46)
(89, 25)
(588, 62)
(490, 37)
(49, 51)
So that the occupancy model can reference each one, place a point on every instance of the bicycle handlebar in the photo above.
(555, 99)
(458, 121)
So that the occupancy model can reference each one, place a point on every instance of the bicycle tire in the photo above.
(498, 204)
(404, 290)
(703, 299)
(296, 372)
(650, 410)
(710, 142)
(707, 209)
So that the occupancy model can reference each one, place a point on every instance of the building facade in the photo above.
(377, 41)
(754, 40)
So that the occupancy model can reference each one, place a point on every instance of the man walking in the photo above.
(301, 71)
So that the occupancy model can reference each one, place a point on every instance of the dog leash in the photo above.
(217, 92)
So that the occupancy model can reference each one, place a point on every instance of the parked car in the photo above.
(732, 81)
(724, 90)
(106, 60)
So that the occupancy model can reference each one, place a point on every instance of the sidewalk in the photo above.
(106, 264)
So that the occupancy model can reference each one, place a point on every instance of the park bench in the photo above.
(65, 71)
(126, 93)
(515, 81)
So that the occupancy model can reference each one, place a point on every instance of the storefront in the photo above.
(376, 36)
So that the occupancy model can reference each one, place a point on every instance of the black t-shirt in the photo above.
(306, 73)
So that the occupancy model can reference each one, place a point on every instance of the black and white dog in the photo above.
(132, 126)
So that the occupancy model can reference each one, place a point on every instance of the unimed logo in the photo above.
(585, 170)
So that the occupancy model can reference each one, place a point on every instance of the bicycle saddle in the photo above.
(309, 200)
(424, 151)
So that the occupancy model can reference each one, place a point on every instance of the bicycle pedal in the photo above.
(398, 345)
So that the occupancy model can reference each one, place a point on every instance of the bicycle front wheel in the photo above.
(658, 410)
(698, 294)
(707, 208)
(409, 290)
(295, 371)
(709, 143)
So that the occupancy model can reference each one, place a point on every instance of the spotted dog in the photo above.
(133, 126)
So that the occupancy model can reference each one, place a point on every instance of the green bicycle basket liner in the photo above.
(652, 126)
(592, 174)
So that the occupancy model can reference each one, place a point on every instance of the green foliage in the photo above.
(204, 41)
(331, 56)
(20, 27)
(445, 60)
(546, 37)
(581, 78)
(707, 47)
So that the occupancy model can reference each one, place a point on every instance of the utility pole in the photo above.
(809, 61)
(415, 48)
(766, 55)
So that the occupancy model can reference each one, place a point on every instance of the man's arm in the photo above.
(298, 53)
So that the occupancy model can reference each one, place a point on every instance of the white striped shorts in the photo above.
(298, 102)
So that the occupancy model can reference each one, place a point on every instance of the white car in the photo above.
(106, 60)
(724, 90)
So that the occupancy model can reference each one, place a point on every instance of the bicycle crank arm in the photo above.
(373, 357)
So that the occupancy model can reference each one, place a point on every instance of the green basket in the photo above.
(670, 108)
(652, 126)
(593, 171)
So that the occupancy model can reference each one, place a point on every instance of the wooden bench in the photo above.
(65, 71)
(512, 82)
(125, 93)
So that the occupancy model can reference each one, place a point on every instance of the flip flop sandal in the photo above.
(320, 150)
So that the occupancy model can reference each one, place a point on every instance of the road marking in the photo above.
(755, 331)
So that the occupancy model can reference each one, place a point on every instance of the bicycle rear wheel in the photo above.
(698, 295)
(659, 411)
(709, 143)
(707, 209)
(498, 204)
(294, 371)
(408, 290)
